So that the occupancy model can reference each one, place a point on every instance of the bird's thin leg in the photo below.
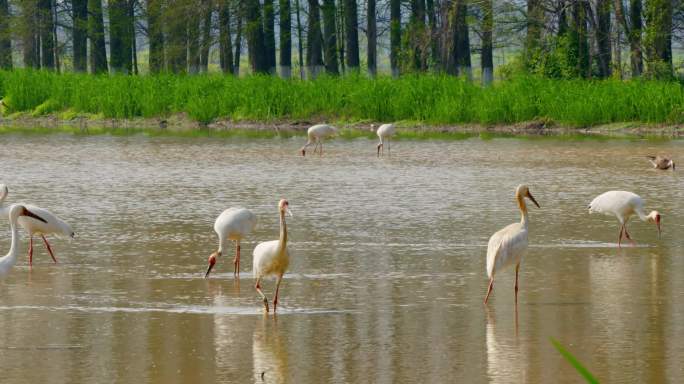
(236, 260)
(622, 228)
(517, 267)
(30, 251)
(315, 146)
(489, 290)
(263, 297)
(629, 237)
(320, 152)
(275, 301)
(389, 146)
(49, 248)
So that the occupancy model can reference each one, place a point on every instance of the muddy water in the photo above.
(387, 277)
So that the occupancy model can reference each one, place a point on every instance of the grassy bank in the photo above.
(429, 99)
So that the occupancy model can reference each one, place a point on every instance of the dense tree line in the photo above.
(556, 38)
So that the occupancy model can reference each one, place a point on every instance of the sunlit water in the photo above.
(388, 256)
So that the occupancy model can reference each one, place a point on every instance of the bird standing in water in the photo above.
(623, 205)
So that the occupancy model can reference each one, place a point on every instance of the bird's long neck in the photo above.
(283, 232)
(523, 209)
(11, 256)
(223, 244)
(641, 214)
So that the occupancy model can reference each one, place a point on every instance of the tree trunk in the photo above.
(433, 33)
(255, 37)
(461, 40)
(47, 44)
(487, 28)
(395, 36)
(155, 35)
(603, 37)
(300, 41)
(330, 37)
(79, 9)
(535, 23)
(134, 43)
(636, 56)
(339, 25)
(372, 36)
(314, 55)
(194, 16)
(658, 39)
(285, 17)
(417, 34)
(580, 44)
(120, 39)
(176, 43)
(269, 36)
(238, 40)
(225, 46)
(96, 34)
(5, 36)
(351, 27)
(207, 12)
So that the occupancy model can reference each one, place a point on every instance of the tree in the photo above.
(330, 37)
(535, 23)
(372, 36)
(395, 36)
(120, 37)
(461, 41)
(487, 28)
(155, 34)
(96, 34)
(79, 9)
(314, 54)
(176, 31)
(46, 34)
(5, 36)
(207, 12)
(658, 38)
(269, 36)
(285, 39)
(225, 46)
(255, 37)
(603, 37)
(352, 31)
(193, 19)
(300, 41)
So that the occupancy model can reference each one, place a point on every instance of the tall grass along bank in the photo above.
(429, 99)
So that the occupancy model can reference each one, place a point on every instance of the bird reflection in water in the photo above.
(269, 352)
(505, 358)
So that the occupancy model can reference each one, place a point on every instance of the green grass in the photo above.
(584, 372)
(426, 99)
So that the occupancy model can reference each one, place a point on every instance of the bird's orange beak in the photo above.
(532, 198)
(212, 261)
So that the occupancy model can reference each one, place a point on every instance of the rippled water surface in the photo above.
(387, 274)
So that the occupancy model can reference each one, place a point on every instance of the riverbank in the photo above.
(182, 125)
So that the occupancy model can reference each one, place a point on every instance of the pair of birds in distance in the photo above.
(316, 133)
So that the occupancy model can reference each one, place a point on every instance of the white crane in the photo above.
(661, 162)
(16, 211)
(232, 224)
(315, 135)
(272, 257)
(623, 205)
(385, 132)
(507, 246)
(49, 224)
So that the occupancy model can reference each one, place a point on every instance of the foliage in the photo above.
(431, 99)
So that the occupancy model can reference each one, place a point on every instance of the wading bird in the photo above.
(661, 162)
(385, 132)
(49, 224)
(315, 135)
(232, 224)
(623, 205)
(507, 246)
(272, 257)
(16, 211)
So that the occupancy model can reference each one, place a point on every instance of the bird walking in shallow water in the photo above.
(15, 212)
(385, 132)
(315, 135)
(623, 205)
(49, 224)
(661, 162)
(273, 257)
(507, 246)
(232, 224)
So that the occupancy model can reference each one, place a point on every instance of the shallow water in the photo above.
(387, 277)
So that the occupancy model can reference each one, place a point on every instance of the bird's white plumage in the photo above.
(234, 224)
(320, 131)
(269, 260)
(54, 224)
(385, 130)
(621, 204)
(506, 247)
(10, 259)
